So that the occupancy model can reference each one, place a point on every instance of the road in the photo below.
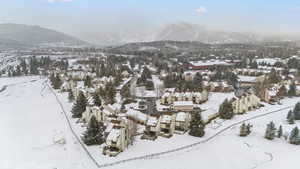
(157, 155)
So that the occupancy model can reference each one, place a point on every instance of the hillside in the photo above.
(163, 46)
(17, 35)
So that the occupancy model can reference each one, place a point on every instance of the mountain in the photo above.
(162, 46)
(17, 35)
(183, 31)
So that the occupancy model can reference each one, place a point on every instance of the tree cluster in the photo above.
(55, 81)
(197, 126)
(270, 131)
(245, 130)
(226, 110)
(94, 135)
(79, 106)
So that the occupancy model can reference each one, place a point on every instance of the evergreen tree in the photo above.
(290, 113)
(279, 132)
(292, 90)
(118, 78)
(226, 110)
(88, 82)
(296, 111)
(274, 77)
(33, 65)
(125, 92)
(254, 65)
(79, 106)
(94, 135)
(282, 91)
(52, 79)
(110, 93)
(270, 131)
(196, 125)
(23, 66)
(57, 82)
(18, 71)
(70, 95)
(245, 130)
(294, 136)
(291, 119)
(97, 100)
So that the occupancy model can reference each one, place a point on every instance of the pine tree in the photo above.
(97, 100)
(56, 81)
(294, 136)
(245, 130)
(110, 93)
(33, 65)
(282, 91)
(70, 95)
(79, 106)
(196, 125)
(290, 113)
(52, 79)
(291, 119)
(279, 132)
(94, 135)
(292, 90)
(270, 131)
(18, 70)
(274, 76)
(296, 111)
(23, 66)
(88, 82)
(226, 110)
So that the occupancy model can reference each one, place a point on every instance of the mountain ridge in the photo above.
(19, 35)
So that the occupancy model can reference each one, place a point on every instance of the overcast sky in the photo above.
(89, 18)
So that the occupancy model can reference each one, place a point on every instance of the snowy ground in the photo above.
(31, 120)
(30, 123)
(212, 105)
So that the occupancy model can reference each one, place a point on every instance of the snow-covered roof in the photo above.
(166, 118)
(181, 116)
(247, 78)
(137, 115)
(109, 127)
(270, 61)
(152, 121)
(183, 103)
(208, 63)
(114, 135)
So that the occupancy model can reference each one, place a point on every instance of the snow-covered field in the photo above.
(31, 123)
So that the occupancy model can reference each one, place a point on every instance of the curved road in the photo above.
(150, 156)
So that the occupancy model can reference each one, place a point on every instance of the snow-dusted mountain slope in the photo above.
(17, 35)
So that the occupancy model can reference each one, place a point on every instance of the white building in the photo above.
(196, 97)
(182, 122)
(120, 136)
(167, 124)
(245, 102)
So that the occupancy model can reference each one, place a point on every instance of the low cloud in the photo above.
(52, 1)
(201, 10)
